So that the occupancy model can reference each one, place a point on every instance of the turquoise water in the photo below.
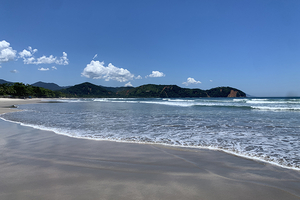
(267, 129)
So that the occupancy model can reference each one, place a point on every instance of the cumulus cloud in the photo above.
(14, 71)
(28, 58)
(4, 44)
(191, 81)
(97, 70)
(156, 74)
(211, 80)
(6, 52)
(138, 77)
(43, 69)
(53, 67)
(27, 53)
(128, 84)
(0, 66)
(44, 60)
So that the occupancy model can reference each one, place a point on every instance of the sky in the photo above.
(251, 45)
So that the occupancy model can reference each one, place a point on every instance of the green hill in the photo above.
(50, 86)
(87, 90)
(162, 91)
(116, 89)
(225, 92)
(174, 91)
(149, 91)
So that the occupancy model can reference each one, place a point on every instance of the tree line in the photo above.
(20, 90)
(88, 90)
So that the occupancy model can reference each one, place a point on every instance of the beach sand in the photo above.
(36, 164)
(7, 103)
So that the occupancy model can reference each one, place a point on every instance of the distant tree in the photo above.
(22, 90)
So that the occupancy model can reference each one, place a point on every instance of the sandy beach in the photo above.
(36, 164)
(6, 104)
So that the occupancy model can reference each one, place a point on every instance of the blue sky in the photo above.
(247, 44)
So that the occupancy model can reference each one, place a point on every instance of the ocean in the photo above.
(265, 129)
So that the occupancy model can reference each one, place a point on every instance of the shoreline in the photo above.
(7, 107)
(256, 159)
(10, 105)
(39, 164)
(7, 104)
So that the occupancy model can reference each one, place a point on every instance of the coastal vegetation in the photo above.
(89, 90)
(174, 91)
(20, 90)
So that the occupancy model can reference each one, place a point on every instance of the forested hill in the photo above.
(174, 91)
(50, 86)
(149, 91)
(88, 90)
(20, 90)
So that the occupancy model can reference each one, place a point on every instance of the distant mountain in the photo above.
(87, 90)
(4, 81)
(50, 86)
(162, 91)
(116, 89)
(174, 91)
(225, 92)
(145, 91)
(53, 86)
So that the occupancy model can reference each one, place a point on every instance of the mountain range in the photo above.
(145, 91)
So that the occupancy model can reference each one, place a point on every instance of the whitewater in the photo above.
(265, 129)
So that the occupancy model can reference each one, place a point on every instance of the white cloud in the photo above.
(32, 50)
(4, 44)
(97, 70)
(44, 60)
(14, 71)
(43, 69)
(53, 67)
(191, 81)
(156, 74)
(6, 52)
(128, 84)
(25, 53)
(95, 56)
(63, 60)
(28, 58)
(28, 55)
(0, 66)
(138, 77)
(211, 80)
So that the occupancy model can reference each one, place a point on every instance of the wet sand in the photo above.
(37, 164)
(6, 104)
